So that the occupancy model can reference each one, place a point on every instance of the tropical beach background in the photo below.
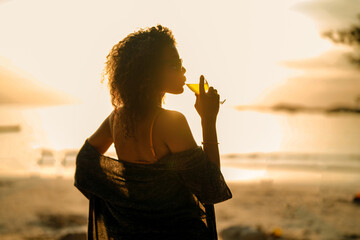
(289, 130)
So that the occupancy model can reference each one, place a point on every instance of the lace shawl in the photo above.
(170, 199)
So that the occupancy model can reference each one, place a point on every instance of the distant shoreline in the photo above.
(291, 108)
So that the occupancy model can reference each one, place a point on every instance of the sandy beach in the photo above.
(282, 200)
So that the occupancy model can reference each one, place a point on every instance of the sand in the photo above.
(299, 208)
(41, 208)
(299, 211)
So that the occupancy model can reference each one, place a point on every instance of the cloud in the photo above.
(325, 80)
(335, 59)
(4, 1)
(330, 14)
(315, 90)
(19, 88)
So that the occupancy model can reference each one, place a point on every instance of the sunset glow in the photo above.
(239, 46)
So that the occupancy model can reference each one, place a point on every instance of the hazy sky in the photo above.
(237, 45)
(253, 52)
(327, 78)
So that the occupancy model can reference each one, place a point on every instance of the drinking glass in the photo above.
(195, 87)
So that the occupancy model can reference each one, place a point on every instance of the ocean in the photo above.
(40, 140)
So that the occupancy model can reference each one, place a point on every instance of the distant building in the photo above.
(47, 158)
(69, 159)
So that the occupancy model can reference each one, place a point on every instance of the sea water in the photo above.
(47, 139)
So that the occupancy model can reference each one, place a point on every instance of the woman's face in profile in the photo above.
(171, 71)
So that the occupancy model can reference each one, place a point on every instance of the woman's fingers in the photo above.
(212, 91)
(207, 102)
(201, 86)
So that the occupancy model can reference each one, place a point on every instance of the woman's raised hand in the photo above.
(207, 103)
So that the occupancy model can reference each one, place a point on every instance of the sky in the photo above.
(327, 78)
(253, 52)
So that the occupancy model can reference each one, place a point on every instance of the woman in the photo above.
(163, 185)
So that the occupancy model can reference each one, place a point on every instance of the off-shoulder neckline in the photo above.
(158, 162)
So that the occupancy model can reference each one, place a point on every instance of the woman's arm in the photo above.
(210, 140)
(207, 105)
(102, 138)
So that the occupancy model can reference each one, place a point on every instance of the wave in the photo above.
(315, 161)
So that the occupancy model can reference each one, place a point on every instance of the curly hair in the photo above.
(132, 66)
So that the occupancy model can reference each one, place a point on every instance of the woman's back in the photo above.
(158, 134)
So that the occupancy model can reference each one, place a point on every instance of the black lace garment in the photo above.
(170, 199)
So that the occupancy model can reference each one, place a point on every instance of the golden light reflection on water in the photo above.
(232, 174)
(249, 131)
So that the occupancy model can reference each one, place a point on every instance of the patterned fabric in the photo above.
(170, 199)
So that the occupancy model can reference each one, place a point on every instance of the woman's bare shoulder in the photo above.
(176, 131)
(172, 115)
(169, 119)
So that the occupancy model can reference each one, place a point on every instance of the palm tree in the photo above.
(349, 36)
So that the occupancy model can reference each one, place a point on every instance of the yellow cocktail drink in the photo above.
(195, 87)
